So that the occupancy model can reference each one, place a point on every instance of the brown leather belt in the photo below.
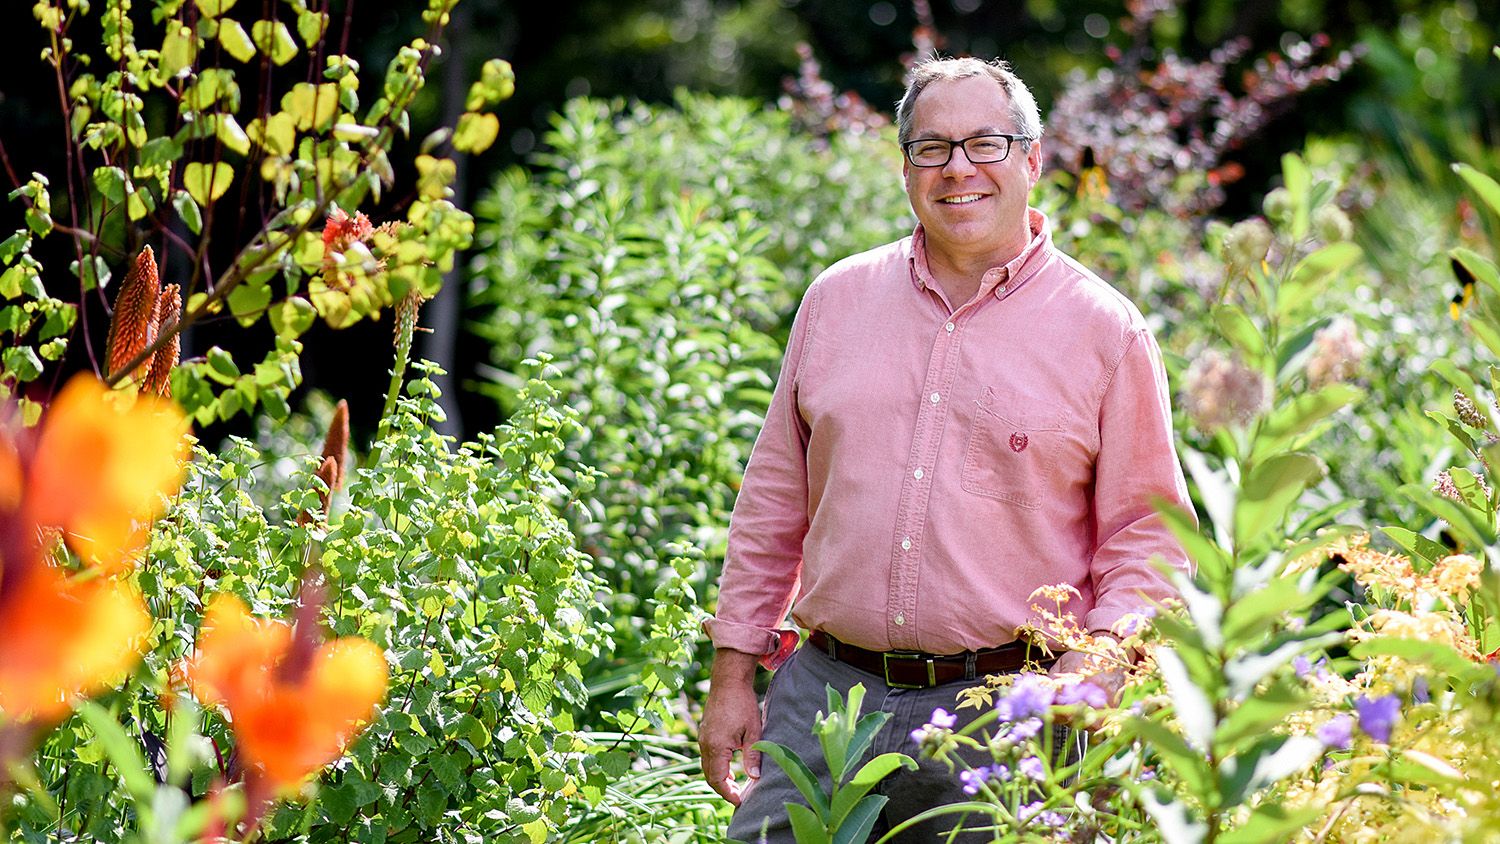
(916, 670)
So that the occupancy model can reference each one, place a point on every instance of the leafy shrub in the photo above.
(659, 254)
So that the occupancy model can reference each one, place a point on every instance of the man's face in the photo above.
(968, 208)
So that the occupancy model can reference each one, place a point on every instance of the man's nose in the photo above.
(959, 164)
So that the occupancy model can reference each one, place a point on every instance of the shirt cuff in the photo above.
(772, 645)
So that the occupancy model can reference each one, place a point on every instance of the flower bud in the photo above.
(1248, 242)
(1332, 225)
(1278, 205)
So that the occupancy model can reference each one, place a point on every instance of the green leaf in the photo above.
(1260, 715)
(235, 40)
(207, 183)
(1211, 561)
(312, 107)
(1299, 415)
(1481, 267)
(188, 210)
(497, 81)
(22, 362)
(110, 182)
(221, 366)
(1271, 488)
(797, 771)
(248, 301)
(475, 132)
(1312, 273)
(1235, 325)
(1487, 188)
(1194, 712)
(178, 50)
(1272, 822)
(277, 133)
(1174, 820)
(1298, 181)
(864, 779)
(229, 132)
(123, 751)
(1271, 760)
(214, 8)
(1416, 544)
(805, 825)
(338, 802)
(274, 40)
(856, 828)
(311, 26)
(292, 317)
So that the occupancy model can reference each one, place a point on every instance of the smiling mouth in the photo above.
(962, 199)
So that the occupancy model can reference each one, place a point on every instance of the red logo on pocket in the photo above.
(1018, 442)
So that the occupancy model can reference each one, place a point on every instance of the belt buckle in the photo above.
(885, 663)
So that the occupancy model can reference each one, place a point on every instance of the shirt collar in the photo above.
(1002, 280)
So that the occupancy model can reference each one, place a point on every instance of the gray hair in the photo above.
(1023, 108)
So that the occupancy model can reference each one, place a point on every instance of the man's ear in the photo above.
(1034, 162)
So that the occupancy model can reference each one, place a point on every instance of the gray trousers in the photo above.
(797, 694)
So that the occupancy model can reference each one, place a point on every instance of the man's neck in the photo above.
(960, 273)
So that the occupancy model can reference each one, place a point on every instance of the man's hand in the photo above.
(1076, 662)
(731, 722)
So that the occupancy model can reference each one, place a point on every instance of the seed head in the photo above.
(133, 326)
(1468, 412)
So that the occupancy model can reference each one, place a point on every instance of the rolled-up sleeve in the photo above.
(763, 560)
(1136, 466)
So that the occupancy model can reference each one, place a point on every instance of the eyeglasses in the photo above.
(981, 149)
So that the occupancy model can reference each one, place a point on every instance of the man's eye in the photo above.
(985, 147)
(929, 150)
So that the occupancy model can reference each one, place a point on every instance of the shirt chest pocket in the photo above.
(1012, 451)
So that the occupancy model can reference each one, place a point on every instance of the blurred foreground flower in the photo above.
(98, 470)
(101, 469)
(295, 702)
(1222, 391)
(1337, 353)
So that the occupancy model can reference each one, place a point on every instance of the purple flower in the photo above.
(1023, 731)
(1082, 692)
(1301, 665)
(1033, 813)
(1419, 693)
(940, 722)
(1377, 717)
(1338, 733)
(1030, 696)
(1031, 768)
(976, 779)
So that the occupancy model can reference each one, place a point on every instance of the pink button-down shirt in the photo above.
(924, 468)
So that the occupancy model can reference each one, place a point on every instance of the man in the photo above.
(962, 416)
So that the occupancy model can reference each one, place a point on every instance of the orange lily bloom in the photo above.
(64, 636)
(291, 715)
(101, 468)
(98, 473)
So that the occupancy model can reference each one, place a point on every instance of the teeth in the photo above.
(963, 200)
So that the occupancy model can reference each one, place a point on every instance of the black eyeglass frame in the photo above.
(1010, 141)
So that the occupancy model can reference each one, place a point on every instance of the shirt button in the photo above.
(949, 326)
(917, 474)
(936, 398)
(1002, 289)
(900, 619)
(905, 543)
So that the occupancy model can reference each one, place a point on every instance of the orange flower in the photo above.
(291, 716)
(101, 467)
(63, 636)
